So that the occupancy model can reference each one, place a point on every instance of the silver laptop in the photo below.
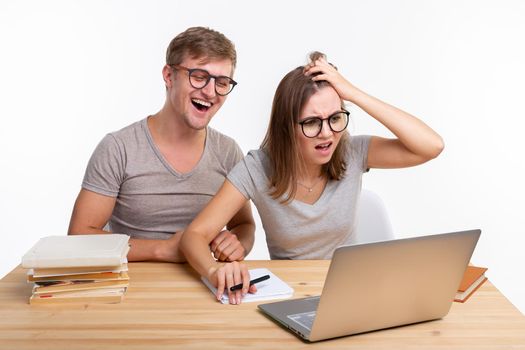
(379, 285)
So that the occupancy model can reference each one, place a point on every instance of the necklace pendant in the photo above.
(310, 189)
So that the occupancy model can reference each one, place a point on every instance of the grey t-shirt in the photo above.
(298, 230)
(152, 199)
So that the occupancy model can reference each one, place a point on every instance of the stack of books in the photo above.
(80, 268)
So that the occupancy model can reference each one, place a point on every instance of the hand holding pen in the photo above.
(252, 282)
(230, 275)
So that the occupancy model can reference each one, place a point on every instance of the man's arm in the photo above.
(236, 242)
(91, 213)
(243, 225)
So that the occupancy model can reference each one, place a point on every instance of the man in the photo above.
(150, 179)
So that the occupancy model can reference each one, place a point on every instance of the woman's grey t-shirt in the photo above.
(297, 230)
(152, 199)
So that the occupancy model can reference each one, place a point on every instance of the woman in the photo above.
(306, 177)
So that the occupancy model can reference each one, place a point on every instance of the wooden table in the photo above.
(167, 307)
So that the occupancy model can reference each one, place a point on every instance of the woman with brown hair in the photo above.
(305, 179)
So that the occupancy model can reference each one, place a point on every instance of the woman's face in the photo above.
(318, 150)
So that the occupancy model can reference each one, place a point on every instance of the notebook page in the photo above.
(272, 288)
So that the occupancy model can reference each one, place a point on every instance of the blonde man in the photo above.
(151, 178)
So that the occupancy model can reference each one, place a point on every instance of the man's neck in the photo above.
(181, 146)
(170, 129)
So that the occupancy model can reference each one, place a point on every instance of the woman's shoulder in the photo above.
(257, 158)
(259, 155)
(357, 152)
(250, 175)
(358, 145)
(256, 163)
(359, 140)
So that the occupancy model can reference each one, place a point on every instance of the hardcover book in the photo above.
(73, 286)
(66, 271)
(108, 295)
(96, 276)
(473, 278)
(77, 251)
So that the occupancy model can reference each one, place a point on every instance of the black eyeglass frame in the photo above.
(302, 122)
(215, 77)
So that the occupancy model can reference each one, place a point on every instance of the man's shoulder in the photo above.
(222, 149)
(128, 131)
(129, 139)
(220, 142)
(218, 137)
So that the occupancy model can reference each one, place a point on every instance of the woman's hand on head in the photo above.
(321, 69)
(228, 275)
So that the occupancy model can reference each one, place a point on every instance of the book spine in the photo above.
(72, 262)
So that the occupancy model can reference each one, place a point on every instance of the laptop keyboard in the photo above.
(305, 319)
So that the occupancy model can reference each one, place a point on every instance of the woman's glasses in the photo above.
(337, 122)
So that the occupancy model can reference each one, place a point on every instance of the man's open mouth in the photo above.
(200, 104)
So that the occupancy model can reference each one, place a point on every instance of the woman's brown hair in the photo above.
(280, 143)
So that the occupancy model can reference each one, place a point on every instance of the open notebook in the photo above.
(272, 288)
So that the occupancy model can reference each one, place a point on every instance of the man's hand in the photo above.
(227, 247)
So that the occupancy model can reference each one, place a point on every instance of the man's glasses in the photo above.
(199, 78)
(337, 122)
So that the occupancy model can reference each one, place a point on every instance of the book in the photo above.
(71, 286)
(110, 295)
(65, 271)
(272, 288)
(473, 278)
(97, 276)
(77, 251)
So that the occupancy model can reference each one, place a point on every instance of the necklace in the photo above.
(311, 188)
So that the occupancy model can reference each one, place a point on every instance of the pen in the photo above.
(257, 280)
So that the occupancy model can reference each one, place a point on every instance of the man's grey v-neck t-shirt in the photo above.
(152, 199)
(297, 230)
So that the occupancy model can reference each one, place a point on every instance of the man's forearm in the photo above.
(86, 231)
(145, 249)
(156, 249)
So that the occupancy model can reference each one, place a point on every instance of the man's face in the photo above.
(194, 106)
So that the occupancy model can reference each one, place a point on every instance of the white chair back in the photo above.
(372, 221)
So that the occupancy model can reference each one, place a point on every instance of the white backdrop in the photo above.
(72, 71)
